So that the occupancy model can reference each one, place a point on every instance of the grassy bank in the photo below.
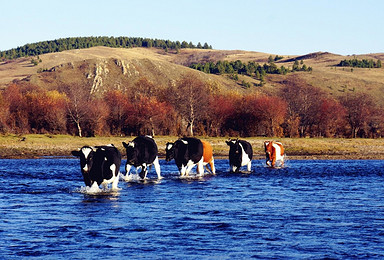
(37, 146)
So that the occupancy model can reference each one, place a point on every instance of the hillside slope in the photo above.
(102, 68)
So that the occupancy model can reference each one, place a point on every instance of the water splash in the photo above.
(96, 190)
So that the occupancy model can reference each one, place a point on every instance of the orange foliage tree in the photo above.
(331, 118)
(17, 120)
(46, 111)
(359, 109)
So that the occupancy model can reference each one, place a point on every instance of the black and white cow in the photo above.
(187, 152)
(240, 154)
(142, 152)
(100, 165)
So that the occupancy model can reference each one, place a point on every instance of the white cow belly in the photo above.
(278, 152)
(244, 157)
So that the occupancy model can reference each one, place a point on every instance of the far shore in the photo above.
(43, 146)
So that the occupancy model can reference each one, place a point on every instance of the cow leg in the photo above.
(249, 166)
(183, 170)
(188, 169)
(212, 164)
(268, 162)
(207, 168)
(200, 167)
(115, 182)
(273, 162)
(157, 167)
(127, 169)
(144, 171)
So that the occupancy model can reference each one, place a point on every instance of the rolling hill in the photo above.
(103, 68)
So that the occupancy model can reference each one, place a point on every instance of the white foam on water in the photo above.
(96, 190)
(131, 177)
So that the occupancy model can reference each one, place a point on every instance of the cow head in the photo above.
(86, 154)
(132, 153)
(268, 150)
(169, 151)
(234, 146)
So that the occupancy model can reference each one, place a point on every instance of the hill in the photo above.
(113, 91)
(105, 67)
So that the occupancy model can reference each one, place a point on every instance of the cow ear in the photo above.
(125, 144)
(169, 146)
(184, 141)
(76, 153)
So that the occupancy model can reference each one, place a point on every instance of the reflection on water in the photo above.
(308, 209)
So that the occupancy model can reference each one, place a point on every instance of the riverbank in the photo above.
(40, 146)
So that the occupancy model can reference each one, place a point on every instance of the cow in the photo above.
(208, 157)
(142, 153)
(274, 153)
(100, 165)
(240, 154)
(187, 152)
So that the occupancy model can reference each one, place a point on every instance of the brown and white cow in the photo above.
(274, 152)
(208, 156)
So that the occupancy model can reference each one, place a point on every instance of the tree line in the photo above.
(58, 45)
(188, 107)
(252, 69)
(364, 63)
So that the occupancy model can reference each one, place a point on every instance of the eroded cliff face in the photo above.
(101, 75)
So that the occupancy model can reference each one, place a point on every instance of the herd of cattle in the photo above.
(100, 165)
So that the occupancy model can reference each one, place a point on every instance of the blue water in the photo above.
(309, 209)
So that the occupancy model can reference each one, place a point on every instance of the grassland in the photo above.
(165, 67)
(40, 146)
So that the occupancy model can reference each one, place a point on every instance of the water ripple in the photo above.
(309, 209)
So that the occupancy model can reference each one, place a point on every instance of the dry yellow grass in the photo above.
(165, 67)
(36, 146)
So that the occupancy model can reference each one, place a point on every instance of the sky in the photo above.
(283, 27)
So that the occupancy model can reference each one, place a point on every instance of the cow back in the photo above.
(144, 150)
(188, 149)
(237, 150)
(104, 158)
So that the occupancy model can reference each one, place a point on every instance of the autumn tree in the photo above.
(46, 111)
(221, 107)
(77, 105)
(304, 102)
(190, 98)
(143, 88)
(17, 119)
(359, 109)
(151, 115)
(94, 121)
(269, 112)
(4, 114)
(121, 111)
(331, 118)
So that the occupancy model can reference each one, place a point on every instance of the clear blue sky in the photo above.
(278, 27)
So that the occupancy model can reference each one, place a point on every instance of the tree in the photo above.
(46, 111)
(120, 111)
(270, 112)
(4, 114)
(18, 119)
(190, 98)
(221, 107)
(331, 118)
(77, 105)
(303, 102)
(359, 109)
